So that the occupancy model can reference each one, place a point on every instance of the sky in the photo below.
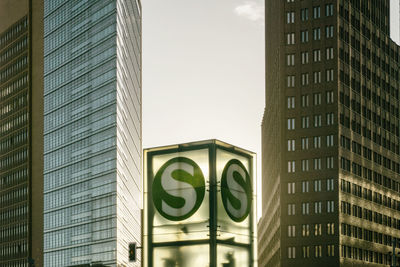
(203, 72)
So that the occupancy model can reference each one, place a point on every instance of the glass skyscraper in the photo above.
(92, 131)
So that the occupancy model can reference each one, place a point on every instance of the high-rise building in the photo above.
(92, 131)
(330, 135)
(21, 133)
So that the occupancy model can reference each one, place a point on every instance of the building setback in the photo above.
(330, 135)
(92, 131)
(21, 133)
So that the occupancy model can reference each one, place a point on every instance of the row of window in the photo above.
(290, 16)
(330, 251)
(367, 153)
(305, 121)
(368, 174)
(13, 32)
(316, 140)
(367, 235)
(305, 100)
(14, 196)
(369, 215)
(305, 164)
(16, 213)
(13, 50)
(365, 255)
(13, 232)
(13, 250)
(305, 207)
(14, 158)
(14, 140)
(13, 86)
(13, 68)
(14, 104)
(305, 229)
(361, 192)
(304, 35)
(305, 186)
(12, 178)
(305, 77)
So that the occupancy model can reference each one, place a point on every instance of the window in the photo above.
(304, 186)
(290, 81)
(329, 140)
(291, 145)
(330, 185)
(291, 102)
(329, 10)
(304, 143)
(304, 79)
(329, 97)
(330, 250)
(305, 230)
(291, 124)
(317, 55)
(291, 252)
(329, 31)
(290, 59)
(317, 77)
(290, 1)
(291, 230)
(304, 14)
(317, 99)
(317, 141)
(291, 166)
(330, 119)
(318, 251)
(290, 17)
(290, 40)
(317, 229)
(306, 252)
(305, 122)
(291, 209)
(330, 206)
(317, 120)
(317, 34)
(304, 165)
(304, 101)
(318, 207)
(329, 162)
(330, 228)
(316, 12)
(291, 188)
(304, 57)
(304, 36)
(317, 185)
(305, 208)
(329, 53)
(329, 75)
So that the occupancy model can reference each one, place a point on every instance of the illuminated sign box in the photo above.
(199, 206)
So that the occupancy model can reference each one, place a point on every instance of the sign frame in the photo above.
(214, 189)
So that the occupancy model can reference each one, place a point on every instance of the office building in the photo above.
(330, 135)
(92, 131)
(21, 133)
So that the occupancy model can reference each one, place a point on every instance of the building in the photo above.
(330, 135)
(92, 131)
(21, 133)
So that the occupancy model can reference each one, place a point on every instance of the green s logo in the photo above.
(178, 189)
(236, 190)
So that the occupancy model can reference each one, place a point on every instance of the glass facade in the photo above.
(92, 131)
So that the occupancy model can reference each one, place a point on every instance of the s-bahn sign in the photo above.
(199, 199)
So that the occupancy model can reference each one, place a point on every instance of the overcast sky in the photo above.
(203, 71)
